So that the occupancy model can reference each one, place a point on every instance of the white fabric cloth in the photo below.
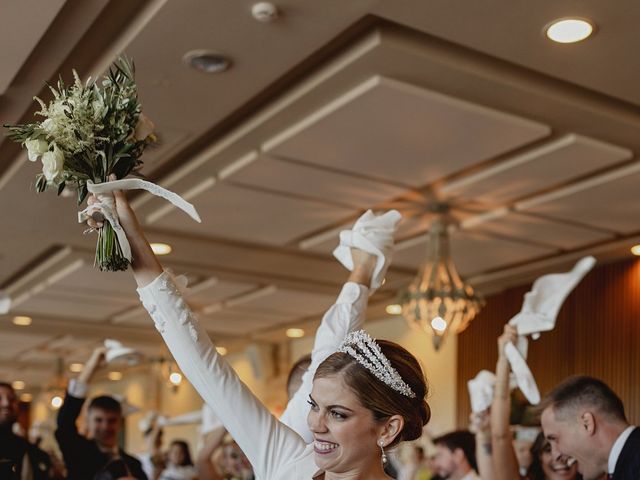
(117, 352)
(77, 389)
(538, 314)
(106, 205)
(274, 450)
(481, 390)
(210, 421)
(617, 447)
(173, 472)
(5, 303)
(346, 315)
(372, 234)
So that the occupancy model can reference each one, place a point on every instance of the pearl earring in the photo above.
(384, 455)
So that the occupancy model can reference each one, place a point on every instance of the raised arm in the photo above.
(479, 424)
(267, 443)
(504, 457)
(346, 315)
(204, 463)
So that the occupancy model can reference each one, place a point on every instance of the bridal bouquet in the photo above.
(88, 132)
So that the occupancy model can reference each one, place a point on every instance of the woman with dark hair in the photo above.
(179, 464)
(543, 466)
(367, 397)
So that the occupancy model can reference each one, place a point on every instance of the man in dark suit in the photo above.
(584, 419)
(18, 458)
(88, 457)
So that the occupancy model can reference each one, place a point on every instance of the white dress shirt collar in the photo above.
(617, 448)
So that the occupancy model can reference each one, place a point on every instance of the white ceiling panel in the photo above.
(292, 302)
(22, 24)
(558, 161)
(12, 343)
(214, 290)
(439, 135)
(239, 323)
(67, 304)
(475, 252)
(288, 177)
(539, 230)
(88, 280)
(611, 205)
(250, 215)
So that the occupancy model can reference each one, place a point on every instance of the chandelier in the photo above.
(438, 301)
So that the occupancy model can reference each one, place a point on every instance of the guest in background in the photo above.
(179, 465)
(455, 457)
(19, 459)
(85, 457)
(584, 419)
(232, 464)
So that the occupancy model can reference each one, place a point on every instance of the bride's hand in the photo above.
(126, 215)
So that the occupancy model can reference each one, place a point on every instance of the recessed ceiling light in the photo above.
(636, 250)
(569, 30)
(295, 333)
(222, 351)
(439, 324)
(115, 376)
(175, 378)
(26, 397)
(18, 385)
(56, 402)
(394, 309)
(22, 321)
(76, 367)
(206, 61)
(161, 248)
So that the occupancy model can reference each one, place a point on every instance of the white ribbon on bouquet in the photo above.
(106, 204)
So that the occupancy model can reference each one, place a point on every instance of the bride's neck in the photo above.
(375, 472)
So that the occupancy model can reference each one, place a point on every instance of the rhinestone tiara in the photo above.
(367, 353)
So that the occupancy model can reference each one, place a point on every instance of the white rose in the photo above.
(52, 164)
(144, 127)
(35, 148)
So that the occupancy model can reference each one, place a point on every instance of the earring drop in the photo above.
(384, 455)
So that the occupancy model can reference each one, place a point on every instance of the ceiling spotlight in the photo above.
(22, 321)
(56, 402)
(295, 333)
(264, 12)
(636, 250)
(394, 309)
(18, 385)
(114, 376)
(206, 61)
(569, 30)
(161, 248)
(76, 367)
(26, 397)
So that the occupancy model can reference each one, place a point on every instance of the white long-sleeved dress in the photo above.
(275, 451)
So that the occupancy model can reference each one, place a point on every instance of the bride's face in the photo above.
(345, 432)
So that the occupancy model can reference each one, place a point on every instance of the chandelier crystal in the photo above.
(438, 301)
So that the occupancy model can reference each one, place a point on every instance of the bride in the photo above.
(367, 397)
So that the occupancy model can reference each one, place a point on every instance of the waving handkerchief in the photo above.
(5, 303)
(374, 235)
(542, 304)
(116, 352)
(481, 390)
(538, 314)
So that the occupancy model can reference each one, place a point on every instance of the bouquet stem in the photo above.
(108, 252)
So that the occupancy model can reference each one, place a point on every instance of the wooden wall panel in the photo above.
(597, 334)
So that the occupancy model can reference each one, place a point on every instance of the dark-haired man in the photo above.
(455, 457)
(86, 457)
(18, 458)
(584, 419)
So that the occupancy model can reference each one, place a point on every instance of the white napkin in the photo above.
(538, 314)
(116, 352)
(374, 235)
(481, 390)
(148, 421)
(5, 303)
